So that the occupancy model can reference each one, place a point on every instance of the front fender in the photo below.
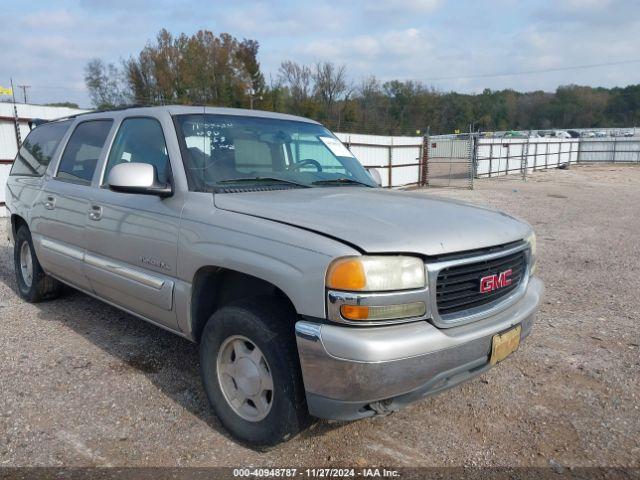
(292, 259)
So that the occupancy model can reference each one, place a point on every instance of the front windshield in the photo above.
(229, 151)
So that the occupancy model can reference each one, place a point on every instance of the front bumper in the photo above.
(356, 372)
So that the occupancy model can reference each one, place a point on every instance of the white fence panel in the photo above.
(626, 150)
(396, 158)
(503, 156)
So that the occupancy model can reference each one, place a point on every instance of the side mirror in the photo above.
(138, 178)
(375, 174)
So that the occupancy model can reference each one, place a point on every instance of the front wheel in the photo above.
(34, 285)
(251, 372)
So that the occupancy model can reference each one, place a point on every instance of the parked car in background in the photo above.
(311, 291)
(516, 134)
(561, 134)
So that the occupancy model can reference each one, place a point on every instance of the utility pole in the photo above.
(24, 91)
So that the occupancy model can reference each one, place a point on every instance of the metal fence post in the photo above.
(570, 153)
(472, 158)
(490, 158)
(424, 174)
(615, 148)
(524, 160)
(506, 163)
(390, 163)
(16, 119)
(546, 156)
(580, 140)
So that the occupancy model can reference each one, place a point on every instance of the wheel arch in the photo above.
(16, 222)
(214, 287)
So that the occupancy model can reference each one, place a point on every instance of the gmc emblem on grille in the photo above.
(496, 281)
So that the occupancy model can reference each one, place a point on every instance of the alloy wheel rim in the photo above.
(26, 264)
(245, 378)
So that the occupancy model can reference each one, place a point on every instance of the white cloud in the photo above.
(49, 19)
(387, 46)
(402, 6)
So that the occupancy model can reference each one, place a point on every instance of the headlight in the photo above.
(376, 274)
(533, 246)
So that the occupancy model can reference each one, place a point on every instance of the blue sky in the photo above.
(447, 44)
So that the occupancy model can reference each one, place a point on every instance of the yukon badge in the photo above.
(496, 281)
(154, 263)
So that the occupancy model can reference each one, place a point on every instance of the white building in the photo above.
(8, 141)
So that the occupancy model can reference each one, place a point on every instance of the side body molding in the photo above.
(147, 287)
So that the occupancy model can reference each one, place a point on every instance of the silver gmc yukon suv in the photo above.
(311, 291)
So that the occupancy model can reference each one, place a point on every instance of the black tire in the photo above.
(42, 286)
(269, 323)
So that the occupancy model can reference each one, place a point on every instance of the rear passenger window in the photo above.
(140, 140)
(81, 155)
(38, 148)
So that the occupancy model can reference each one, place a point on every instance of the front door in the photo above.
(132, 239)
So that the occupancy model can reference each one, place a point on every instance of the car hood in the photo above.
(377, 220)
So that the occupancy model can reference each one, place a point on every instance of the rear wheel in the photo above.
(251, 371)
(34, 285)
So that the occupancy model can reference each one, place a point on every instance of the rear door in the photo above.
(27, 176)
(64, 206)
(132, 239)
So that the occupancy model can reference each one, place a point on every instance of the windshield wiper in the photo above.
(340, 181)
(262, 179)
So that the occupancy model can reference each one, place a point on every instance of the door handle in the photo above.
(50, 202)
(95, 212)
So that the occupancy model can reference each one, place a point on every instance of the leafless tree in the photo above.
(330, 84)
(298, 79)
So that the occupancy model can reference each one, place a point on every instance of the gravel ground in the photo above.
(83, 384)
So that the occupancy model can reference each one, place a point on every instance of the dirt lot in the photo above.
(83, 384)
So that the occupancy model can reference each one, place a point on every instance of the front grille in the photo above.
(458, 287)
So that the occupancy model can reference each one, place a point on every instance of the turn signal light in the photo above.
(355, 312)
(347, 274)
(382, 312)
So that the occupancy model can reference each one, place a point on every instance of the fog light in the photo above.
(383, 312)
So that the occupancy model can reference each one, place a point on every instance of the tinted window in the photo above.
(38, 148)
(81, 155)
(140, 140)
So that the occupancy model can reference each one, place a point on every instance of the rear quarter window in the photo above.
(38, 148)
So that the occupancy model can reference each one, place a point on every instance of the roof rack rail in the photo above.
(118, 108)
(36, 122)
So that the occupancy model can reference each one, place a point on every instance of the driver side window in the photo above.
(140, 140)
